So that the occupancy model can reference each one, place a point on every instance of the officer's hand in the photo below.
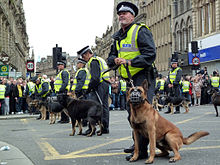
(170, 85)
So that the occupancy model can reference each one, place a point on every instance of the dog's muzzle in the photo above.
(135, 97)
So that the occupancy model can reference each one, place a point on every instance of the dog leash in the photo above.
(129, 74)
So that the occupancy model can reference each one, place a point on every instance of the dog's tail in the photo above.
(195, 136)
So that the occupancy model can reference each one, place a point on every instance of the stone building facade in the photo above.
(13, 36)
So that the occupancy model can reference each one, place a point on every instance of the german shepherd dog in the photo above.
(83, 109)
(176, 101)
(155, 102)
(161, 133)
(42, 107)
(215, 98)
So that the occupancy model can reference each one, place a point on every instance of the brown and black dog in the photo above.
(161, 133)
(173, 102)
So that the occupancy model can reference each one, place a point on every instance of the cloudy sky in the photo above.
(72, 24)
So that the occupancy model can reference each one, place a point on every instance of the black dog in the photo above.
(54, 108)
(215, 98)
(176, 101)
(83, 109)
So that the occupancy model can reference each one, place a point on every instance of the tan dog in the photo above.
(39, 104)
(155, 102)
(161, 133)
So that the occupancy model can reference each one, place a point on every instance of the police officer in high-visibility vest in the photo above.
(174, 79)
(160, 84)
(2, 97)
(98, 89)
(215, 81)
(61, 87)
(81, 80)
(134, 46)
(42, 89)
(122, 88)
(185, 84)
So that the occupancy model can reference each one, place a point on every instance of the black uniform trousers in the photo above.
(103, 92)
(138, 80)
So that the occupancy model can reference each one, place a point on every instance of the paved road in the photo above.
(46, 144)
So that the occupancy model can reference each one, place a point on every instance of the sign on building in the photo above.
(4, 70)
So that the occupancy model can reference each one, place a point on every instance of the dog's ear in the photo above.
(145, 85)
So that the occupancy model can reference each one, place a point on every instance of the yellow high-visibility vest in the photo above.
(172, 74)
(58, 81)
(215, 82)
(128, 49)
(103, 67)
(2, 91)
(87, 80)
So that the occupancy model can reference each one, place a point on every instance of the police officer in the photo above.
(2, 97)
(185, 84)
(61, 87)
(134, 46)
(81, 81)
(160, 83)
(174, 79)
(99, 89)
(42, 89)
(215, 81)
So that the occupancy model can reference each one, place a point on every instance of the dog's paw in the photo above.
(99, 134)
(133, 159)
(172, 160)
(149, 161)
(72, 134)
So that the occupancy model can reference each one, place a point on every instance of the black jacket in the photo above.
(65, 79)
(80, 78)
(146, 47)
(95, 74)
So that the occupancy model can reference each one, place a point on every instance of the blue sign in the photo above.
(205, 55)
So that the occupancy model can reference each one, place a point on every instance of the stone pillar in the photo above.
(218, 15)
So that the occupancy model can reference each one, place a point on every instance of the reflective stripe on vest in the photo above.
(162, 82)
(31, 87)
(123, 85)
(128, 49)
(185, 86)
(58, 81)
(172, 74)
(87, 80)
(103, 67)
(39, 88)
(2, 91)
(215, 82)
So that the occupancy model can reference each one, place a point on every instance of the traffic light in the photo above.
(57, 55)
(194, 47)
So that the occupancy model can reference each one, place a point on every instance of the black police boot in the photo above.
(130, 149)
(141, 156)
(88, 131)
(39, 117)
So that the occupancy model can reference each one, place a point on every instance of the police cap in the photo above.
(127, 6)
(83, 50)
(80, 60)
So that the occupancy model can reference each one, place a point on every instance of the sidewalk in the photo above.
(17, 116)
(14, 156)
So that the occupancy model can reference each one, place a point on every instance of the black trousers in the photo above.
(62, 100)
(103, 92)
(12, 105)
(138, 80)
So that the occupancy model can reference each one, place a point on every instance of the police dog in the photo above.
(176, 101)
(215, 98)
(83, 109)
(161, 133)
(155, 102)
(42, 107)
(54, 109)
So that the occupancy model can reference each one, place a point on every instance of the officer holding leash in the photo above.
(61, 87)
(174, 79)
(134, 47)
(97, 89)
(42, 89)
